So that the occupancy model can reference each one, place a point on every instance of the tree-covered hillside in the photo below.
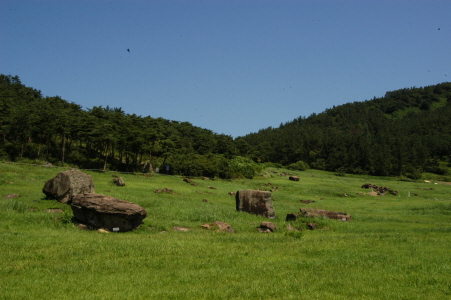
(406, 132)
(55, 130)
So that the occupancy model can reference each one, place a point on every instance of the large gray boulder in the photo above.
(66, 184)
(112, 214)
(255, 202)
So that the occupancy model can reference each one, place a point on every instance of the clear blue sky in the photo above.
(233, 67)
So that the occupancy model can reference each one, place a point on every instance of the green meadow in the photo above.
(395, 247)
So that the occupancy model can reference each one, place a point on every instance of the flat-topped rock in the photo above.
(106, 212)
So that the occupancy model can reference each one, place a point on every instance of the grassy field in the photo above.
(395, 247)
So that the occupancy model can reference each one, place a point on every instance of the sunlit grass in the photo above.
(395, 247)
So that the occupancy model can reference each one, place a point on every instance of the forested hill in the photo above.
(406, 132)
(52, 129)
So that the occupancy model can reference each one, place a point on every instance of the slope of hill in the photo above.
(403, 133)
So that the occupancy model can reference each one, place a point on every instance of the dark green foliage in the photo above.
(397, 134)
(52, 129)
(404, 133)
(299, 165)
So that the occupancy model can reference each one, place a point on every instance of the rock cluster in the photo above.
(93, 210)
(380, 190)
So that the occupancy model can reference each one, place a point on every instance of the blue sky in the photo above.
(233, 67)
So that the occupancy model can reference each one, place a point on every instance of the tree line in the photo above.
(55, 130)
(404, 133)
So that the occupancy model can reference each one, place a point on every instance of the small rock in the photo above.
(312, 226)
(11, 196)
(265, 226)
(181, 228)
(83, 227)
(119, 181)
(218, 226)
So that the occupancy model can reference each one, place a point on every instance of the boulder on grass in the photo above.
(294, 178)
(119, 181)
(64, 186)
(267, 227)
(106, 212)
(255, 202)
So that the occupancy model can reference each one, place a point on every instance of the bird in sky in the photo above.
(128, 50)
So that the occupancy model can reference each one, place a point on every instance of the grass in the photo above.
(395, 247)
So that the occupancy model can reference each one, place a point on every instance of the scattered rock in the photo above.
(187, 180)
(165, 190)
(210, 187)
(255, 202)
(267, 227)
(218, 226)
(380, 190)
(101, 230)
(310, 212)
(292, 217)
(83, 227)
(231, 193)
(293, 178)
(204, 200)
(181, 228)
(119, 181)
(205, 178)
(307, 201)
(312, 226)
(106, 212)
(67, 184)
(11, 196)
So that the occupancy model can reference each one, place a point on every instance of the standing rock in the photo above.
(106, 212)
(255, 202)
(64, 186)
